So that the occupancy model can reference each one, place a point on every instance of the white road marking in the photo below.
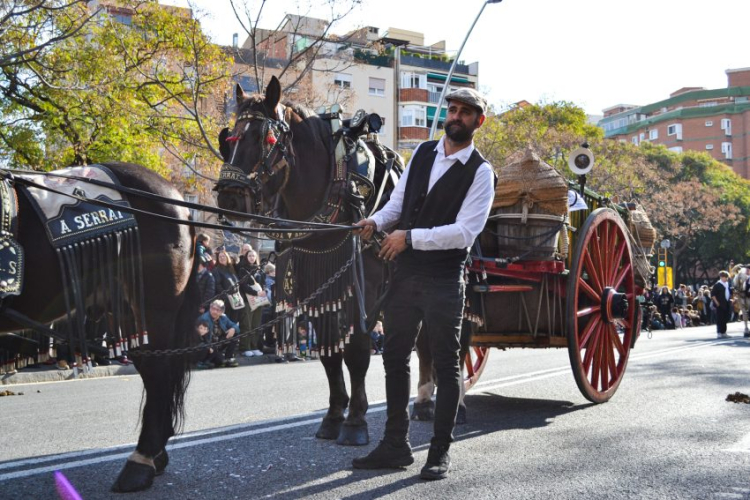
(72, 460)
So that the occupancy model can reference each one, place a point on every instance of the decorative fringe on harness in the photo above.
(300, 272)
(102, 270)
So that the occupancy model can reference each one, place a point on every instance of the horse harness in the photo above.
(352, 165)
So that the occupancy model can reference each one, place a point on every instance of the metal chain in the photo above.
(278, 319)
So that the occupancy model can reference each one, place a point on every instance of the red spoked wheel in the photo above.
(474, 363)
(601, 307)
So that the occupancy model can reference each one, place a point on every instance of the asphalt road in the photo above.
(667, 433)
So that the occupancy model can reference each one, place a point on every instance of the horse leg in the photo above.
(164, 380)
(338, 399)
(424, 407)
(357, 358)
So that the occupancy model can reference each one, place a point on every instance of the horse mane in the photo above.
(310, 118)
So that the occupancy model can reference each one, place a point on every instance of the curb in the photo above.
(50, 373)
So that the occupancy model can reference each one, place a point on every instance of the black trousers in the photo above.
(722, 317)
(437, 304)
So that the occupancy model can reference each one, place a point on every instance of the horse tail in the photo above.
(183, 334)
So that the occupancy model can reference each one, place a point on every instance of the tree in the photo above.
(129, 90)
(298, 47)
(698, 203)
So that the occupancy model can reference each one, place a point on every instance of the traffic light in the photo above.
(662, 256)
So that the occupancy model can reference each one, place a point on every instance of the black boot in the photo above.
(438, 463)
(386, 456)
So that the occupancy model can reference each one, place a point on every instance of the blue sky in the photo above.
(595, 53)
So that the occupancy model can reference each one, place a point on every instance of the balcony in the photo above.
(373, 59)
(424, 62)
(418, 95)
(413, 133)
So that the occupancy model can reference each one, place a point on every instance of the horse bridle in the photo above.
(276, 156)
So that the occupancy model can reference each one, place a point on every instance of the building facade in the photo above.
(692, 118)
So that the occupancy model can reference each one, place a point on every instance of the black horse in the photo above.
(169, 309)
(280, 160)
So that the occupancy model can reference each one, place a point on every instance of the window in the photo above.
(676, 149)
(413, 116)
(708, 104)
(343, 80)
(413, 81)
(377, 86)
(726, 126)
(709, 147)
(653, 134)
(192, 198)
(675, 129)
(642, 136)
(709, 124)
(726, 149)
(634, 139)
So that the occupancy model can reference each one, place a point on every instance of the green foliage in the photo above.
(140, 93)
(697, 202)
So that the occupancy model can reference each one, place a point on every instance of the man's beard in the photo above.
(458, 132)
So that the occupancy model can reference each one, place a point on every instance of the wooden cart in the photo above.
(584, 299)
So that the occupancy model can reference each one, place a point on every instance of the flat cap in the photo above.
(468, 96)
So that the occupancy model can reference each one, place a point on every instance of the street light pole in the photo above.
(436, 118)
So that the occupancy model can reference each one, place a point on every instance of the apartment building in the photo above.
(716, 121)
(420, 74)
(395, 75)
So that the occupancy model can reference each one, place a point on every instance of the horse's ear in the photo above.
(223, 144)
(239, 95)
(273, 94)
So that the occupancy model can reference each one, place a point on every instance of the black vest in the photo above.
(439, 207)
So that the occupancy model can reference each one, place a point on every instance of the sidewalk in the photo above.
(50, 373)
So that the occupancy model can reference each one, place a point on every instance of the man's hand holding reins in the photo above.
(368, 229)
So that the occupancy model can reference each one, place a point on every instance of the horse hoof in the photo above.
(329, 428)
(423, 411)
(353, 435)
(461, 415)
(134, 477)
(161, 460)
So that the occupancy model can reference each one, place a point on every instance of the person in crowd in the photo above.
(206, 286)
(203, 250)
(721, 296)
(665, 302)
(246, 247)
(227, 284)
(253, 280)
(268, 311)
(676, 317)
(377, 336)
(656, 321)
(213, 358)
(438, 208)
(699, 306)
(220, 327)
(681, 296)
(303, 339)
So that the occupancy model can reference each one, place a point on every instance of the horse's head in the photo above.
(257, 152)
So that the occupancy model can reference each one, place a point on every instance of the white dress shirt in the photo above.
(471, 217)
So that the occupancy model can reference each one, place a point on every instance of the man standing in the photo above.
(720, 296)
(438, 208)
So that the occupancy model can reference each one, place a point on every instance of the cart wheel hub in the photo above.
(614, 305)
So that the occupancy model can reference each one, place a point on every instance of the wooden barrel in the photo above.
(525, 233)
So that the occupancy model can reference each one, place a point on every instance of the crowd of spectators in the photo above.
(237, 301)
(683, 307)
